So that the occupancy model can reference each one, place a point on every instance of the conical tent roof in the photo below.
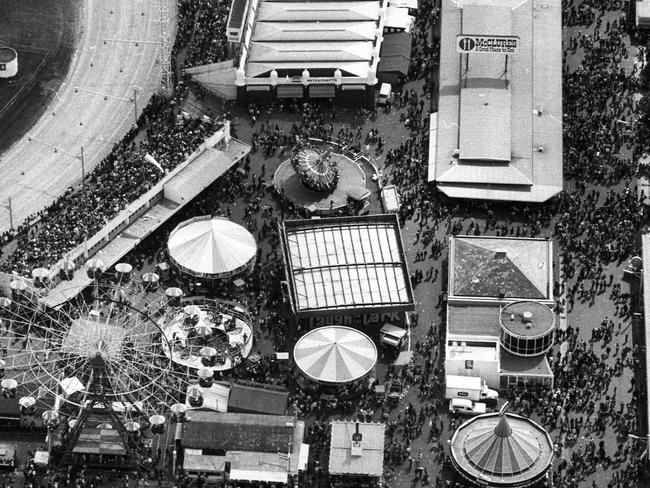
(214, 247)
(335, 354)
(507, 450)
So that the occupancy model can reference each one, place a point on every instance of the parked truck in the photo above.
(468, 387)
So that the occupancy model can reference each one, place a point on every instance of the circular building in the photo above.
(317, 169)
(322, 182)
(212, 247)
(200, 327)
(527, 328)
(335, 355)
(8, 62)
(502, 450)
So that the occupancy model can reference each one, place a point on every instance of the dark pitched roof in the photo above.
(257, 398)
(395, 53)
(397, 44)
(484, 272)
(237, 431)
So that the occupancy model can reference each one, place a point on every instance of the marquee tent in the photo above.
(214, 248)
(335, 355)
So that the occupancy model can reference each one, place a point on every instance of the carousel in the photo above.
(317, 170)
(502, 450)
(320, 181)
(335, 355)
(207, 333)
(213, 248)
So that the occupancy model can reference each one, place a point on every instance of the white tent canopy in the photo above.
(211, 247)
(335, 354)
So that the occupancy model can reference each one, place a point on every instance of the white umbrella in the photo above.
(335, 354)
(40, 273)
(211, 246)
(192, 310)
(174, 292)
(123, 268)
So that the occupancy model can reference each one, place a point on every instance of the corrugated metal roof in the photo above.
(309, 31)
(318, 11)
(473, 172)
(237, 431)
(485, 131)
(252, 399)
(534, 80)
(270, 52)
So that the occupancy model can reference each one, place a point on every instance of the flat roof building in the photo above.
(498, 130)
(499, 320)
(344, 267)
(356, 449)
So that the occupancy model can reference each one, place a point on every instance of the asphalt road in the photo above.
(92, 109)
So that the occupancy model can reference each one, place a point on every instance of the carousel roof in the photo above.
(315, 165)
(335, 354)
(502, 449)
(211, 246)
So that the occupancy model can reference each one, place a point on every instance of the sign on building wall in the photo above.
(467, 43)
(396, 318)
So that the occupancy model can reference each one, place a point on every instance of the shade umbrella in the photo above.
(150, 278)
(203, 330)
(5, 302)
(192, 310)
(211, 247)
(27, 405)
(335, 355)
(178, 411)
(157, 424)
(18, 285)
(123, 268)
(206, 377)
(9, 387)
(195, 396)
(51, 419)
(40, 273)
(95, 263)
(132, 426)
(174, 292)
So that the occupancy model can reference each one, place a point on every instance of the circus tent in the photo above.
(335, 355)
(208, 247)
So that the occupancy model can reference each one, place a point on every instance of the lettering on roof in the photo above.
(467, 43)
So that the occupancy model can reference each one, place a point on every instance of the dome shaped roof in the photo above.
(213, 247)
(502, 449)
(335, 354)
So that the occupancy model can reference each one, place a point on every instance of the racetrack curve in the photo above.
(32, 173)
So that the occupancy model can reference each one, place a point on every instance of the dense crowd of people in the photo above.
(595, 223)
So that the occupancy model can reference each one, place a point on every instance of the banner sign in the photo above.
(466, 44)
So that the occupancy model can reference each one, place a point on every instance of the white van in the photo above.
(466, 407)
(385, 92)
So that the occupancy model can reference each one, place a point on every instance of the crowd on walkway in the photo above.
(594, 223)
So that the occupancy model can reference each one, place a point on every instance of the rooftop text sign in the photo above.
(467, 43)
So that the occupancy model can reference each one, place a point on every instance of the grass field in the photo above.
(43, 33)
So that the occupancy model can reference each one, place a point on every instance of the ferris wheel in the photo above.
(108, 335)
